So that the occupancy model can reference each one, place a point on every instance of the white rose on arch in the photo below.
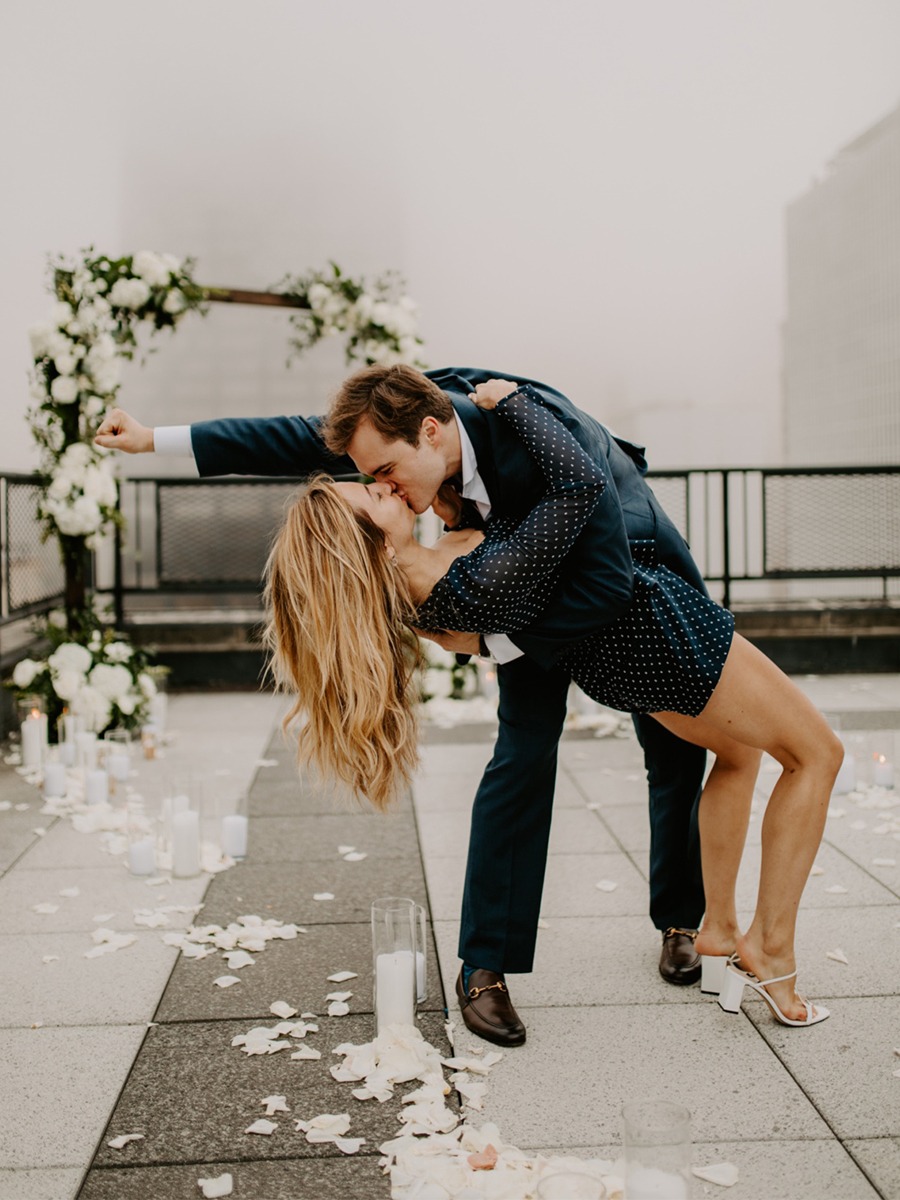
(70, 656)
(26, 671)
(67, 684)
(151, 267)
(118, 652)
(129, 293)
(94, 707)
(112, 681)
(64, 389)
(147, 684)
(175, 302)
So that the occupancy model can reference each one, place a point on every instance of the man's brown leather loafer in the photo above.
(679, 962)
(487, 1009)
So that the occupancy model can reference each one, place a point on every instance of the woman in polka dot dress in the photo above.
(347, 572)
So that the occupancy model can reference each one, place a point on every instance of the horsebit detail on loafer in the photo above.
(475, 992)
(688, 933)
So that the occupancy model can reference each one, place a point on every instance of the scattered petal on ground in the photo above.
(282, 1009)
(212, 1189)
(70, 891)
(107, 941)
(342, 976)
(226, 981)
(815, 869)
(275, 1104)
(123, 1139)
(323, 896)
(837, 956)
(342, 850)
(338, 1008)
(606, 885)
(49, 958)
(267, 1128)
(725, 1174)
(238, 959)
(884, 862)
(836, 890)
(306, 1052)
(483, 1160)
(45, 909)
(339, 996)
(355, 856)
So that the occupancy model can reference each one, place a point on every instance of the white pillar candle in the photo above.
(234, 835)
(883, 772)
(96, 786)
(395, 989)
(119, 766)
(54, 779)
(846, 776)
(34, 736)
(86, 741)
(186, 843)
(142, 856)
(651, 1183)
(67, 753)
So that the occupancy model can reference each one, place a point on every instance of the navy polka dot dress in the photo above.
(665, 654)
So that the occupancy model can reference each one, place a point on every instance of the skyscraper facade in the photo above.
(842, 333)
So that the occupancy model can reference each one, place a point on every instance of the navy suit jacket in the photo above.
(595, 586)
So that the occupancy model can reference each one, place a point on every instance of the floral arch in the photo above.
(100, 305)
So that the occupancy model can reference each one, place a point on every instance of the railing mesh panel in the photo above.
(218, 534)
(832, 522)
(35, 569)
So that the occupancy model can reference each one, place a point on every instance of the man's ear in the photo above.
(430, 431)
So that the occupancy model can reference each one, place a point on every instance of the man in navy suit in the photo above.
(421, 433)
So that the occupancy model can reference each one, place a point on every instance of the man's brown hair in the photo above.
(395, 399)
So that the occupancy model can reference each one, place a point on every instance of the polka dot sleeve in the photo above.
(503, 585)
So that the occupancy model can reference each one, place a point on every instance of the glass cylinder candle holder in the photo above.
(117, 758)
(421, 954)
(140, 828)
(657, 1137)
(150, 741)
(186, 843)
(86, 750)
(96, 786)
(571, 1185)
(234, 827)
(394, 961)
(32, 731)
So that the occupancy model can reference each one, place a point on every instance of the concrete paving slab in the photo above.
(60, 1183)
(294, 971)
(880, 1159)
(316, 838)
(17, 836)
(570, 886)
(288, 894)
(98, 892)
(573, 831)
(629, 825)
(114, 989)
(585, 961)
(768, 1170)
(607, 1055)
(281, 795)
(845, 1065)
(865, 936)
(359, 1178)
(614, 753)
(618, 787)
(63, 846)
(192, 1095)
(453, 759)
(862, 889)
(60, 1086)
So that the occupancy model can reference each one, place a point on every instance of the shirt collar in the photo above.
(472, 484)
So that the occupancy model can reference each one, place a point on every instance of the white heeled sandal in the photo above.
(734, 982)
(712, 976)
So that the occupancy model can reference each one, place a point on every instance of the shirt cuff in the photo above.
(173, 439)
(502, 649)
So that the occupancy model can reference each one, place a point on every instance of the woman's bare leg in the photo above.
(757, 705)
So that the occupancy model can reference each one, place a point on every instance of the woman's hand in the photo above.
(488, 395)
(447, 505)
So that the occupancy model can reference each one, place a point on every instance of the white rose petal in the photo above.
(282, 1009)
(226, 981)
(606, 885)
(212, 1189)
(123, 1139)
(725, 1174)
(262, 1126)
(342, 976)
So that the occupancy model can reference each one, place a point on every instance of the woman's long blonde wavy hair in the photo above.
(340, 640)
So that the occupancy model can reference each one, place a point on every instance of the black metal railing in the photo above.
(755, 532)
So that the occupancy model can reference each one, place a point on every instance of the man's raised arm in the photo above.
(290, 446)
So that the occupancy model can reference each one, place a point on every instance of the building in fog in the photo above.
(842, 332)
